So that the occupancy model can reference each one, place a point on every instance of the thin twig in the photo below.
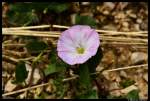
(26, 59)
(123, 43)
(16, 45)
(14, 53)
(141, 47)
(17, 60)
(30, 31)
(40, 85)
(29, 34)
(10, 58)
(25, 89)
(126, 34)
(122, 39)
(70, 78)
(128, 67)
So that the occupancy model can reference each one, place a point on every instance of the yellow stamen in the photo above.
(80, 50)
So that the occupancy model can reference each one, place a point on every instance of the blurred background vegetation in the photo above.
(96, 14)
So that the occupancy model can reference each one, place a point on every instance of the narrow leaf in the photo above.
(53, 68)
(84, 75)
(20, 73)
(50, 69)
(133, 95)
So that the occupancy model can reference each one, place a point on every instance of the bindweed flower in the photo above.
(77, 44)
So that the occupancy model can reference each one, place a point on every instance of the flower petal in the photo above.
(78, 33)
(68, 57)
(92, 42)
(83, 58)
(66, 38)
(65, 43)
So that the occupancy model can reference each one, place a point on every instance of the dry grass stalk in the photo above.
(17, 60)
(25, 89)
(128, 67)
(56, 35)
(123, 43)
(16, 45)
(139, 33)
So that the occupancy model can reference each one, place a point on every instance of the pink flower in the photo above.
(77, 44)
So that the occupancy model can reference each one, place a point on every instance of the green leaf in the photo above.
(126, 83)
(84, 75)
(53, 68)
(92, 94)
(56, 65)
(53, 56)
(20, 73)
(50, 69)
(36, 46)
(133, 95)
(85, 20)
